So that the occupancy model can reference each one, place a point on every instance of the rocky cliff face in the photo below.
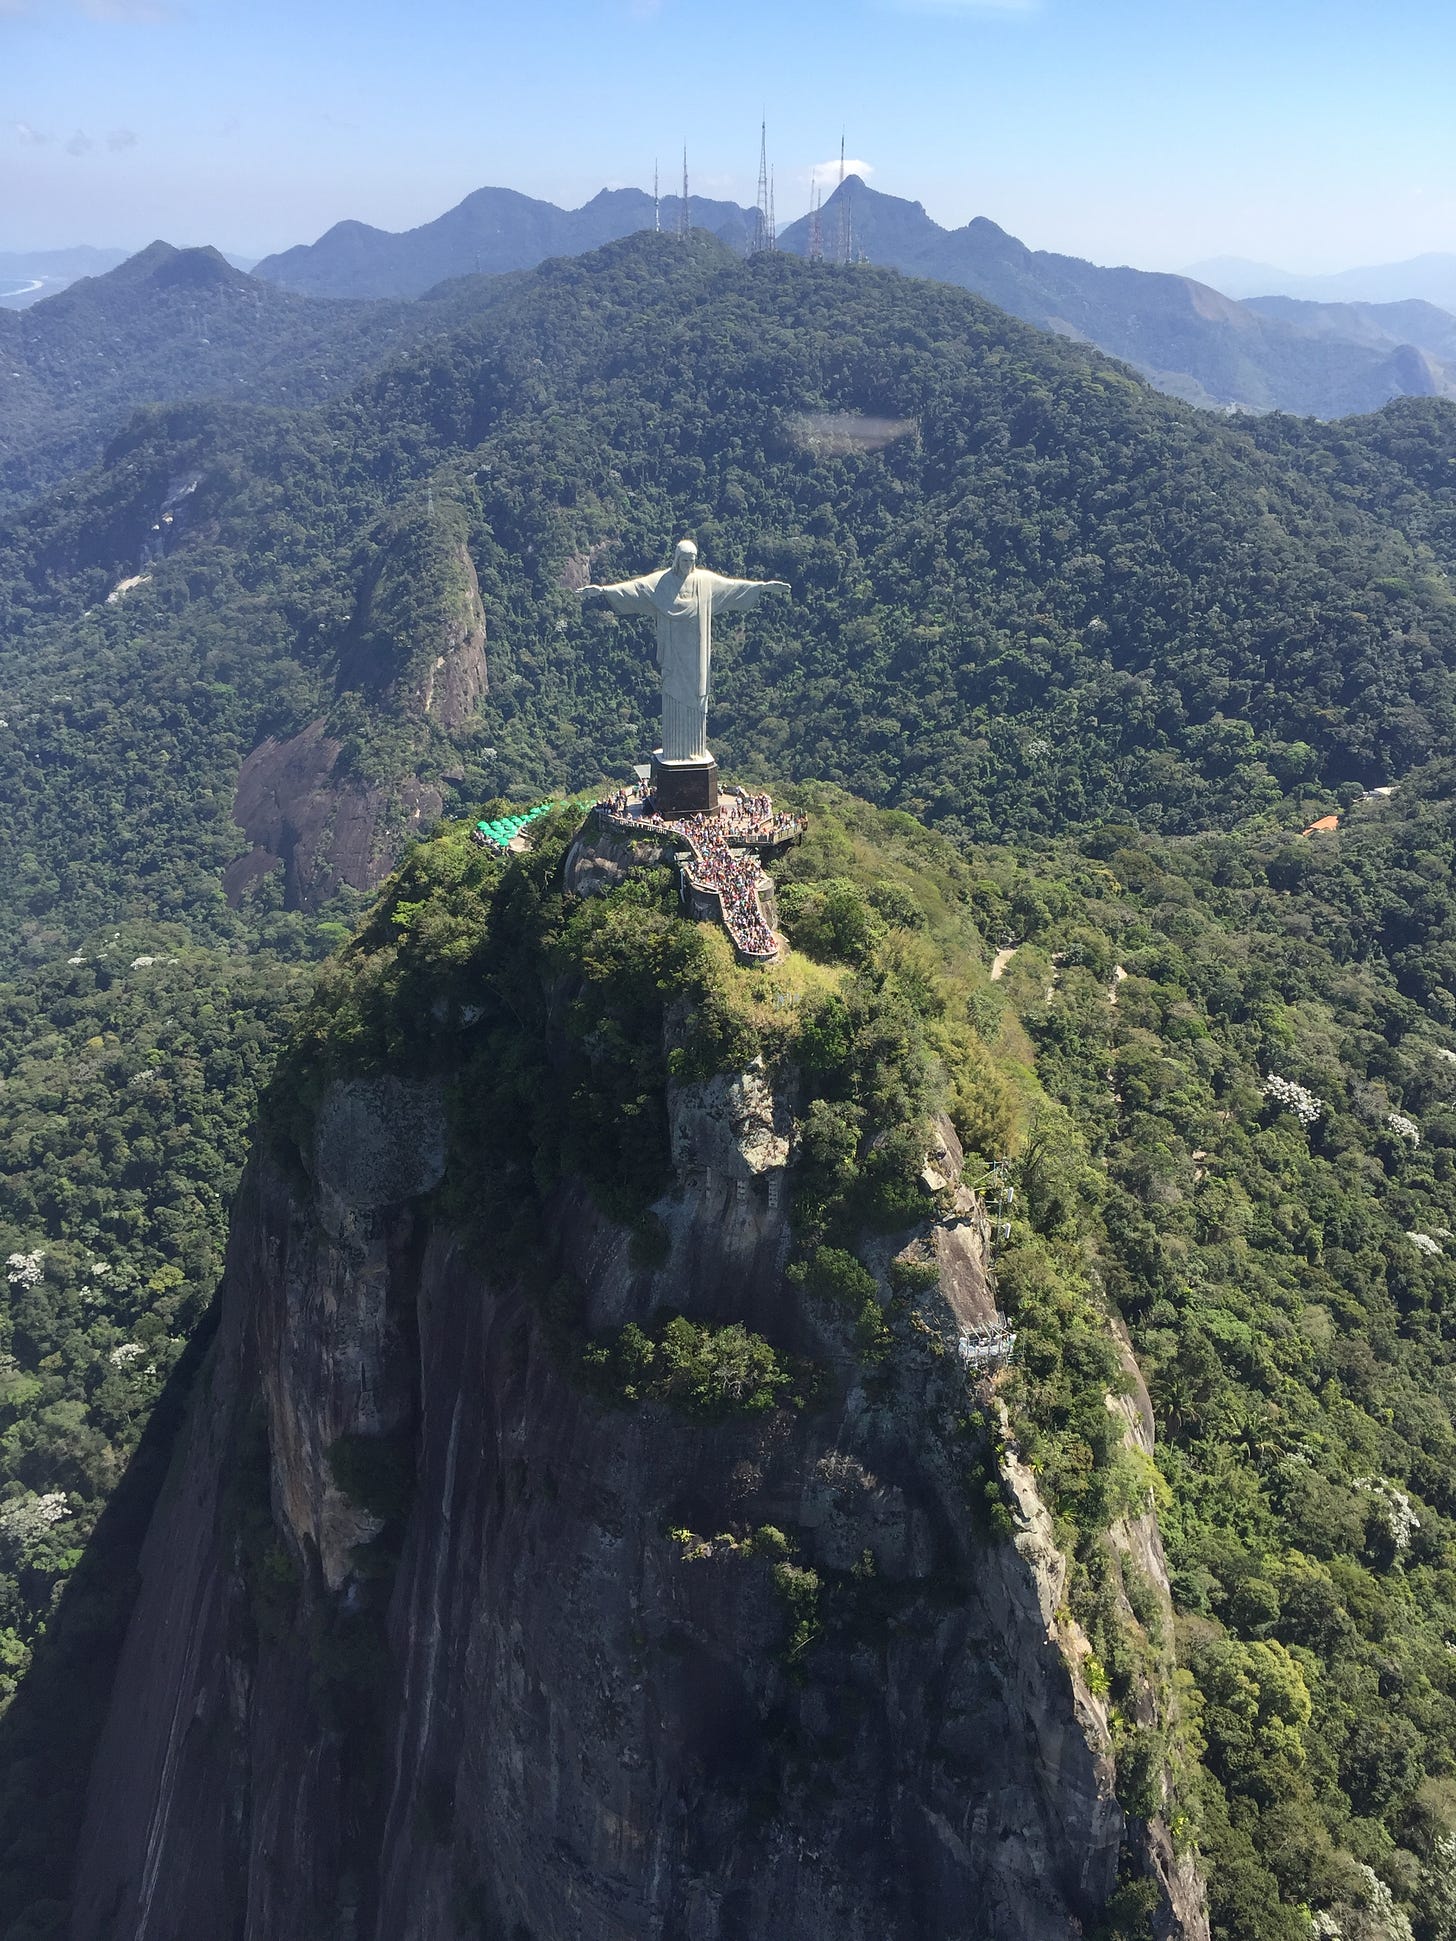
(548, 1690)
(415, 654)
(327, 830)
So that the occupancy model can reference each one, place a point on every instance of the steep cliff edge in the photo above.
(573, 1535)
(413, 661)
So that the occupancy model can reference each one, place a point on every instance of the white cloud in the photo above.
(826, 174)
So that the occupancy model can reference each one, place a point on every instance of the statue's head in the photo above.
(685, 558)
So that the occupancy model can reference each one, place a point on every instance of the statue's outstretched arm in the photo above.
(626, 596)
(730, 595)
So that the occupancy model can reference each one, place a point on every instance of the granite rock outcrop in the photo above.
(576, 1710)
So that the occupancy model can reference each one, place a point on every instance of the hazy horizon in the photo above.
(246, 257)
(1308, 139)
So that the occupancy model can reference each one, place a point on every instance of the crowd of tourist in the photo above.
(749, 817)
(752, 819)
(625, 802)
(714, 865)
(735, 878)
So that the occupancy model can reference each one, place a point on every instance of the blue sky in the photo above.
(1311, 135)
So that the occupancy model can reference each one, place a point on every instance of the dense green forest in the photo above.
(1267, 1116)
(1223, 1072)
(1112, 650)
(129, 1076)
(170, 324)
(1029, 592)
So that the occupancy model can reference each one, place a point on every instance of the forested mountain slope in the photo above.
(170, 324)
(1221, 1074)
(1186, 338)
(1190, 340)
(1399, 465)
(613, 1268)
(1028, 591)
(1031, 596)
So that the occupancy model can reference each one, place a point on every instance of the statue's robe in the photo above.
(683, 609)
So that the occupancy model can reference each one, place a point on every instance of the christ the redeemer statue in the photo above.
(683, 598)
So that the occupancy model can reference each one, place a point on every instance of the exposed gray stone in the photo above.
(585, 1728)
(378, 1141)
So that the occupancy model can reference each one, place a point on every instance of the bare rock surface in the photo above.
(600, 862)
(570, 1720)
(378, 1141)
(327, 831)
(456, 678)
(733, 1124)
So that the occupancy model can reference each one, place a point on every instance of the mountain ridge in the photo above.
(1006, 614)
(491, 230)
(1430, 277)
(168, 325)
(1186, 338)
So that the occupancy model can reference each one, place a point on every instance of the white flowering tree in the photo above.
(25, 1270)
(1294, 1098)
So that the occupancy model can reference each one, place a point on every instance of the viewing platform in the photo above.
(725, 853)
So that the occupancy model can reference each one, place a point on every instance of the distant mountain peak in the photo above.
(490, 231)
(1186, 337)
(162, 265)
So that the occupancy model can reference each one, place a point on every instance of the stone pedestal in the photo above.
(685, 788)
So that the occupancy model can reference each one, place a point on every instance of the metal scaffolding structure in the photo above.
(844, 250)
(989, 1346)
(764, 237)
(816, 223)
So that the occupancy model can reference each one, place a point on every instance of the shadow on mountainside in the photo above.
(48, 1735)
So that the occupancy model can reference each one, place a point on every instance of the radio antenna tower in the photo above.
(763, 221)
(816, 224)
(656, 204)
(683, 224)
(773, 227)
(845, 252)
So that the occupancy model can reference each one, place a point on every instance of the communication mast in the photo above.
(845, 251)
(764, 236)
(656, 204)
(816, 223)
(683, 224)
